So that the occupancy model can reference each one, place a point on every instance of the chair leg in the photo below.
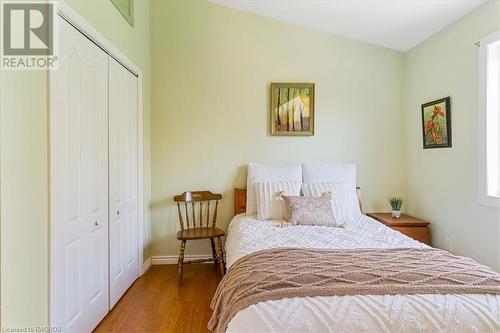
(180, 262)
(220, 256)
(214, 253)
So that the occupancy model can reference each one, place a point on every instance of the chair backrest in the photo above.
(194, 209)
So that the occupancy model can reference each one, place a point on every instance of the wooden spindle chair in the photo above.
(197, 222)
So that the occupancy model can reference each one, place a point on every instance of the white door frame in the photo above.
(71, 16)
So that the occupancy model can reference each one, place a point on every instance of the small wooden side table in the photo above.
(410, 226)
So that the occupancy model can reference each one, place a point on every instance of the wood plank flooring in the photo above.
(154, 303)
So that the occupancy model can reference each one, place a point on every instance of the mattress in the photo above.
(368, 313)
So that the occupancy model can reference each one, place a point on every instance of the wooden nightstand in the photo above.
(408, 225)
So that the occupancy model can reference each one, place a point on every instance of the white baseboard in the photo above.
(172, 260)
(146, 265)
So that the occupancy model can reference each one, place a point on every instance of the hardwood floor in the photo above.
(154, 303)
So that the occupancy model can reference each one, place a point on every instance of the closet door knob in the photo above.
(96, 223)
(117, 212)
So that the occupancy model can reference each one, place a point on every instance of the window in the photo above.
(489, 120)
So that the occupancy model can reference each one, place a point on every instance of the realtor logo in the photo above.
(28, 35)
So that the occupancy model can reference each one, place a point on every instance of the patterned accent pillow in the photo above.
(310, 210)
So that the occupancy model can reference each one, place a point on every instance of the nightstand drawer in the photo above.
(410, 226)
(421, 234)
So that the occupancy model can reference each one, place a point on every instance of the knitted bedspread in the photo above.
(291, 272)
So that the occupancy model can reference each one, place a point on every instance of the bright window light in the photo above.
(493, 120)
(489, 120)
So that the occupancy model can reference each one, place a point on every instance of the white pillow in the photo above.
(268, 173)
(335, 173)
(344, 199)
(270, 204)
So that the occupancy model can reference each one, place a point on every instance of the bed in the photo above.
(464, 312)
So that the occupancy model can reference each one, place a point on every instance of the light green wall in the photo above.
(210, 95)
(24, 198)
(24, 165)
(442, 184)
(210, 115)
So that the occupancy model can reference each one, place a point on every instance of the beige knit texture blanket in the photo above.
(291, 272)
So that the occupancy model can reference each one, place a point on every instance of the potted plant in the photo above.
(396, 204)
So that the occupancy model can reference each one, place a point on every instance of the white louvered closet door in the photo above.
(79, 184)
(123, 150)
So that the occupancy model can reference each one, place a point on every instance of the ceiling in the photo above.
(395, 24)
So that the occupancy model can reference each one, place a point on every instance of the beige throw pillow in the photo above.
(310, 210)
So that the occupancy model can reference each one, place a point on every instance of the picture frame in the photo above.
(126, 8)
(436, 123)
(292, 109)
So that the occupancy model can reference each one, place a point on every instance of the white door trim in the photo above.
(71, 16)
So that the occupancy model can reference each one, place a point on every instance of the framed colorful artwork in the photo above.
(436, 123)
(292, 109)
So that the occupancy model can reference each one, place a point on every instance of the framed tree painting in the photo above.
(436, 123)
(292, 109)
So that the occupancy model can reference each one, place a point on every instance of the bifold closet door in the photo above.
(79, 184)
(123, 150)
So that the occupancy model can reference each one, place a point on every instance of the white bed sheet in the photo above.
(367, 313)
